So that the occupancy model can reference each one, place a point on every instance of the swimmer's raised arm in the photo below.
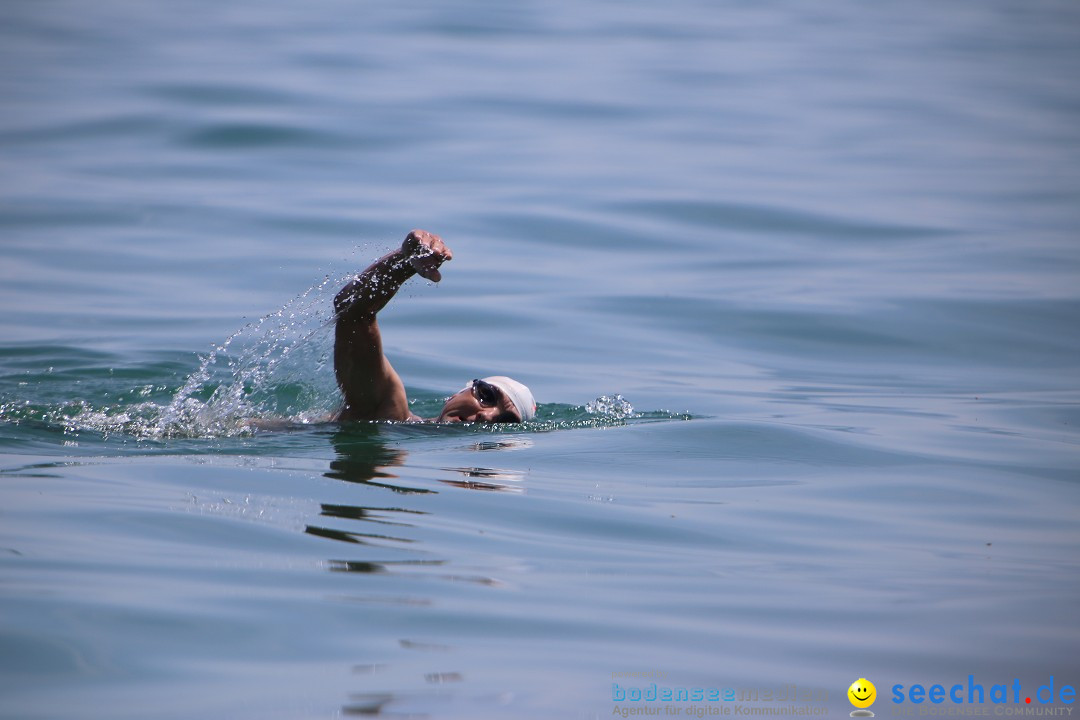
(372, 389)
(421, 253)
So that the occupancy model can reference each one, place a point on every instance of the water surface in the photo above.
(826, 256)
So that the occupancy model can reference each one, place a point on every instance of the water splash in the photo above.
(613, 406)
(277, 366)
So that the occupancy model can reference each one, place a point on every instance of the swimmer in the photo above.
(372, 389)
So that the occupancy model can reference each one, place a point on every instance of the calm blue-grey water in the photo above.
(829, 254)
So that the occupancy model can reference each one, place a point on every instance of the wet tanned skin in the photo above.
(372, 389)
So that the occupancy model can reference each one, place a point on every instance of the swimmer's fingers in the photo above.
(426, 252)
(431, 274)
(423, 244)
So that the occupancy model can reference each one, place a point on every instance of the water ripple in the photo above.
(251, 135)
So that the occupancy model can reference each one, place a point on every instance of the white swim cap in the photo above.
(518, 394)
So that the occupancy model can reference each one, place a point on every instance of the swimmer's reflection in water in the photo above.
(364, 458)
(372, 389)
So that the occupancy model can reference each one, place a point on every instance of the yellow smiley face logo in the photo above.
(862, 693)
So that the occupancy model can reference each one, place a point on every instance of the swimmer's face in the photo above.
(862, 693)
(479, 402)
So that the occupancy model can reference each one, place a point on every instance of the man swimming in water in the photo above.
(372, 389)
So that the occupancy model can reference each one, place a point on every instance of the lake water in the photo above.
(796, 287)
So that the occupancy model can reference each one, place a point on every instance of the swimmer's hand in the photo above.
(426, 252)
